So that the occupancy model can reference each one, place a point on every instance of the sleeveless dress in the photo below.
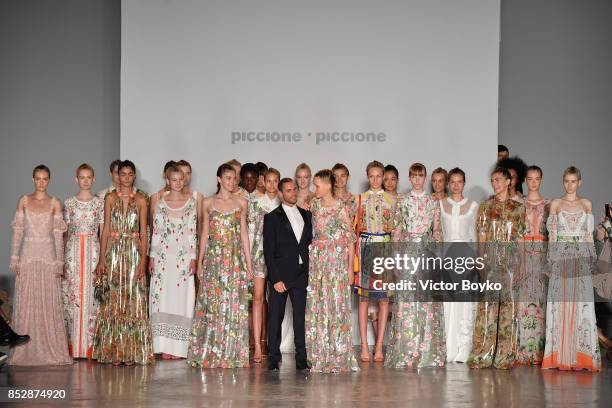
(83, 219)
(172, 299)
(329, 335)
(123, 330)
(532, 291)
(38, 305)
(220, 331)
(571, 331)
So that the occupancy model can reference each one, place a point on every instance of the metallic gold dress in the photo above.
(123, 330)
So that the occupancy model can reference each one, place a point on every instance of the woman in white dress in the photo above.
(571, 331)
(172, 266)
(458, 219)
(258, 207)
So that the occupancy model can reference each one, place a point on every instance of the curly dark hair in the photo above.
(518, 165)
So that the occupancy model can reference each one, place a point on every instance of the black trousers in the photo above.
(5, 329)
(276, 314)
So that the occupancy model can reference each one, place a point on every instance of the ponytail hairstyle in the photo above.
(328, 176)
(221, 170)
(41, 167)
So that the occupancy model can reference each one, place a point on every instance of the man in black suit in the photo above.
(287, 233)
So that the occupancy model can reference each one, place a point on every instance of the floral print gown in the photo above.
(374, 223)
(172, 298)
(258, 208)
(123, 329)
(38, 250)
(329, 337)
(495, 338)
(532, 291)
(84, 220)
(571, 331)
(417, 336)
(220, 331)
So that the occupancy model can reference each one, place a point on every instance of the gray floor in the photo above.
(174, 384)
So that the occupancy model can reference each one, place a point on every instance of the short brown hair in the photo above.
(85, 166)
(284, 181)
(417, 169)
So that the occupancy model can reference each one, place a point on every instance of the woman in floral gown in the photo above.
(329, 338)
(258, 208)
(37, 259)
(220, 331)
(417, 327)
(172, 265)
(532, 291)
(501, 227)
(341, 175)
(123, 330)
(571, 331)
(373, 224)
(84, 215)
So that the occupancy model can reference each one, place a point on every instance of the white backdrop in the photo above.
(421, 76)
(423, 73)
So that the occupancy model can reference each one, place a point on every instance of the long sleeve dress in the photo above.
(417, 336)
(458, 222)
(84, 220)
(172, 295)
(571, 331)
(38, 250)
(495, 338)
(329, 335)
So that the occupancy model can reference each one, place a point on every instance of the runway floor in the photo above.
(174, 384)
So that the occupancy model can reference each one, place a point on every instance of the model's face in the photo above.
(187, 172)
(237, 178)
(502, 155)
(115, 176)
(85, 179)
(176, 180)
(390, 181)
(289, 193)
(302, 178)
(126, 177)
(514, 178)
(375, 178)
(418, 181)
(534, 180)
(41, 180)
(250, 181)
(271, 183)
(499, 183)
(456, 184)
(341, 178)
(261, 184)
(227, 181)
(321, 187)
(438, 183)
(571, 183)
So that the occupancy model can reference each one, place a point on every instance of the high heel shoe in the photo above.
(365, 357)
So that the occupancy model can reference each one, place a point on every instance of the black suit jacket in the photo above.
(281, 249)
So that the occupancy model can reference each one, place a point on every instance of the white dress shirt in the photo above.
(296, 221)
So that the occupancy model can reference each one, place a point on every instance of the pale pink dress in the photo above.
(39, 253)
